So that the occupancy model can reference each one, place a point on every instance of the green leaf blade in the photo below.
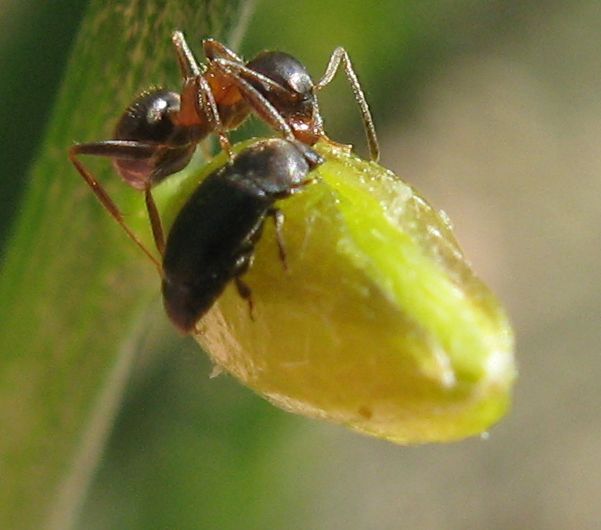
(72, 287)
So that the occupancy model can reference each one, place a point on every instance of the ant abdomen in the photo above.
(149, 121)
(149, 117)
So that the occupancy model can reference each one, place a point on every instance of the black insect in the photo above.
(213, 238)
(158, 133)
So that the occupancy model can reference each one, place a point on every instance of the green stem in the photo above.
(72, 287)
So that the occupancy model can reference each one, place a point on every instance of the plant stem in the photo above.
(72, 288)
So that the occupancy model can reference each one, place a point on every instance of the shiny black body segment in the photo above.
(212, 240)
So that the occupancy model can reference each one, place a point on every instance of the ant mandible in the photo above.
(158, 133)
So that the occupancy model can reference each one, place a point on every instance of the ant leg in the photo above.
(240, 70)
(197, 99)
(187, 62)
(155, 221)
(197, 104)
(338, 56)
(214, 49)
(260, 104)
(278, 221)
(208, 106)
(121, 149)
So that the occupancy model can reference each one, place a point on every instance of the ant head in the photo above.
(292, 76)
(286, 71)
(297, 103)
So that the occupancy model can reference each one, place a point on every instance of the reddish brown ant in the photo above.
(158, 133)
(280, 90)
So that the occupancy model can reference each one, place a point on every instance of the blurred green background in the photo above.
(492, 109)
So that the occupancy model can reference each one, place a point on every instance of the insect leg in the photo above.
(187, 62)
(278, 221)
(243, 263)
(214, 49)
(121, 149)
(197, 99)
(155, 221)
(260, 104)
(339, 55)
(208, 106)
(246, 294)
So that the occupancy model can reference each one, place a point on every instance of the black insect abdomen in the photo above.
(214, 229)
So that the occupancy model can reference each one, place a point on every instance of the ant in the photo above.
(158, 133)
